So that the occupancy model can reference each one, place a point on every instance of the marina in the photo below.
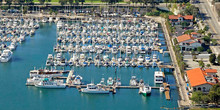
(93, 65)
(12, 32)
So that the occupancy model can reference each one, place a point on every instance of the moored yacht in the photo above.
(46, 83)
(133, 81)
(158, 77)
(6, 55)
(145, 90)
(95, 89)
(77, 80)
(110, 81)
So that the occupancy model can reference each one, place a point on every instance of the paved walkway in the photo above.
(180, 82)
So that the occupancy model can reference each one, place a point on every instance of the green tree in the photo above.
(213, 97)
(20, 2)
(207, 39)
(218, 59)
(8, 2)
(29, 1)
(212, 58)
(82, 1)
(209, 50)
(197, 97)
(63, 2)
(71, 2)
(209, 34)
(200, 49)
(214, 42)
(47, 1)
(201, 64)
(205, 99)
(41, 1)
(208, 65)
(206, 28)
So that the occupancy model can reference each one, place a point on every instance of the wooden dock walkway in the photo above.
(167, 90)
(68, 79)
(117, 87)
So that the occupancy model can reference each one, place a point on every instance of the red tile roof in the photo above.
(173, 17)
(188, 17)
(196, 77)
(183, 38)
(194, 33)
(210, 70)
(192, 42)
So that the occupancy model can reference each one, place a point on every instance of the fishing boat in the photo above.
(32, 81)
(110, 81)
(6, 55)
(12, 46)
(46, 83)
(49, 61)
(60, 24)
(118, 82)
(46, 72)
(145, 90)
(158, 77)
(77, 80)
(95, 89)
(162, 88)
(133, 81)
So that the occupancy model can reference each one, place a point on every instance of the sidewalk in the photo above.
(180, 82)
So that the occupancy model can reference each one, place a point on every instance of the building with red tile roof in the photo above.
(178, 19)
(200, 80)
(187, 42)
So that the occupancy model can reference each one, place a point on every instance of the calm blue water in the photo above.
(14, 95)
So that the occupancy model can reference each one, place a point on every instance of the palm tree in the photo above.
(9, 2)
(41, 1)
(63, 2)
(47, 2)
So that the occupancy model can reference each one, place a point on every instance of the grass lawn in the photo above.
(51, 1)
(86, 1)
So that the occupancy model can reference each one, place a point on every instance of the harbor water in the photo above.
(33, 53)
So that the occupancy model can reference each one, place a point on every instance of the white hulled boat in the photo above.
(6, 55)
(95, 89)
(46, 83)
(158, 77)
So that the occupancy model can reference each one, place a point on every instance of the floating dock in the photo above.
(167, 90)
(117, 87)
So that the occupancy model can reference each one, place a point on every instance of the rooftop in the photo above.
(210, 70)
(197, 77)
(183, 38)
(188, 17)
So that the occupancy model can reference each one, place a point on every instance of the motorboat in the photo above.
(162, 88)
(46, 72)
(95, 89)
(110, 81)
(77, 80)
(60, 24)
(12, 46)
(158, 77)
(6, 55)
(133, 81)
(118, 82)
(46, 83)
(145, 90)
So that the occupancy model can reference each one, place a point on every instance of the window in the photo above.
(194, 89)
(204, 89)
(199, 88)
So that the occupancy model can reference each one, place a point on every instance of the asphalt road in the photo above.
(211, 17)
